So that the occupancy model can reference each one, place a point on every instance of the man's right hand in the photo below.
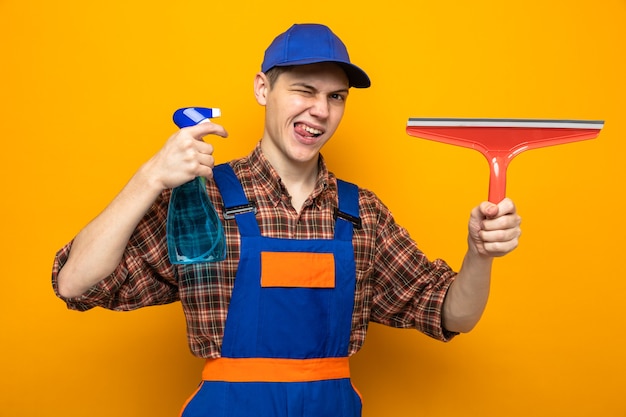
(184, 156)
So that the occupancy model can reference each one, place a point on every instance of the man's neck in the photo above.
(299, 178)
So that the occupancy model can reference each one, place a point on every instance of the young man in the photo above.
(306, 270)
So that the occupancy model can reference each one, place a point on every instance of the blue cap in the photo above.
(305, 44)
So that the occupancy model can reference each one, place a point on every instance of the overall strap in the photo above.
(236, 204)
(347, 215)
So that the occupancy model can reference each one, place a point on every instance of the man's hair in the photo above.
(273, 73)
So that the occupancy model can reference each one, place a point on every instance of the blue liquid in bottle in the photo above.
(194, 231)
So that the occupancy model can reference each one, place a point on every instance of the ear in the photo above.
(261, 88)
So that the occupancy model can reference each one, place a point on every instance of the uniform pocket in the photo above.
(208, 400)
(183, 411)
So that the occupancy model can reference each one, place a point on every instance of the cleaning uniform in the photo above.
(285, 347)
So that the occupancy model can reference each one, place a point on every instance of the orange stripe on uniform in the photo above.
(297, 269)
(275, 370)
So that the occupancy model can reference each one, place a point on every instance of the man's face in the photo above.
(303, 109)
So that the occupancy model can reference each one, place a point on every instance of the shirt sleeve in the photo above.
(144, 276)
(408, 288)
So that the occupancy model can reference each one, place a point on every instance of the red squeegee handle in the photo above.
(498, 165)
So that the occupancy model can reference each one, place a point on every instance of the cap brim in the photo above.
(357, 78)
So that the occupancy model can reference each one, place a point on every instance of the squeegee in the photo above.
(500, 140)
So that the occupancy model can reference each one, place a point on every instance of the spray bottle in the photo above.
(194, 231)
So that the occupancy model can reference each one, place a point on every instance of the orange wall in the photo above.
(88, 89)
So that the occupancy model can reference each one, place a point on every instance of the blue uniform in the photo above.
(285, 347)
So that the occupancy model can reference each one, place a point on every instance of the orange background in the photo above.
(88, 89)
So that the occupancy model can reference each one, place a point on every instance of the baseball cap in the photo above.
(311, 43)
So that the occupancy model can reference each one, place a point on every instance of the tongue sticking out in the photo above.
(305, 131)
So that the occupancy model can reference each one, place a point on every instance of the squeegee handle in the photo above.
(498, 165)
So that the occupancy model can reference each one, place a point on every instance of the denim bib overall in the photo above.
(285, 347)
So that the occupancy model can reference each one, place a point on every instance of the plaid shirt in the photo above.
(396, 284)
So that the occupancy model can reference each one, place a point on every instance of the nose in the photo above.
(320, 107)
